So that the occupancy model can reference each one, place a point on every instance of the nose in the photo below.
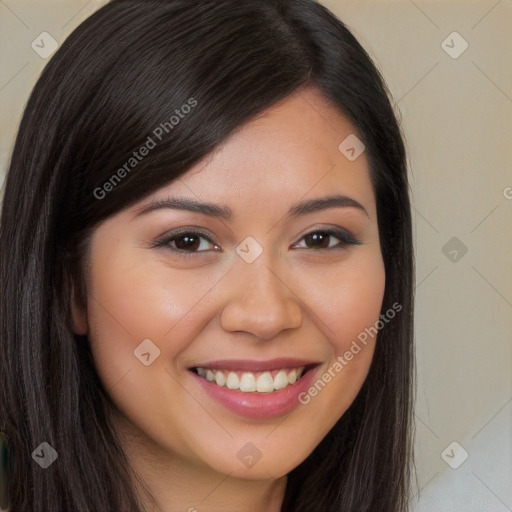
(261, 303)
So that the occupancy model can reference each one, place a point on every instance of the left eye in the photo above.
(320, 237)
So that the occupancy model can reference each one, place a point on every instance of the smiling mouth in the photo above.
(253, 382)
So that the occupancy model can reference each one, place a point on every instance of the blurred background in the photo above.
(448, 67)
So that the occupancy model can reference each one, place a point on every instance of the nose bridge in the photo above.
(260, 301)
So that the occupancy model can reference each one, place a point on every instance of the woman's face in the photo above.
(248, 298)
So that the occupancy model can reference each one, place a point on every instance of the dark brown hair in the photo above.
(116, 77)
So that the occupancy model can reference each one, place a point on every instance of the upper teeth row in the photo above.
(261, 382)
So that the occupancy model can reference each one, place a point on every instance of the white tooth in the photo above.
(280, 380)
(265, 383)
(247, 382)
(201, 372)
(300, 371)
(292, 376)
(209, 375)
(232, 382)
(219, 378)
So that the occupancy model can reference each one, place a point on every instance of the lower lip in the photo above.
(258, 405)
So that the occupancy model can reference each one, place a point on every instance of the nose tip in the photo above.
(262, 306)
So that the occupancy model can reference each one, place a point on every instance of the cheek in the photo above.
(360, 302)
(348, 311)
(360, 307)
(132, 299)
(346, 298)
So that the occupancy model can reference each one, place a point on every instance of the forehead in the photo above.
(287, 153)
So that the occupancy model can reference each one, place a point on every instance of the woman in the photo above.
(207, 268)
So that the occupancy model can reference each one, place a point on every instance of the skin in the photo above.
(290, 302)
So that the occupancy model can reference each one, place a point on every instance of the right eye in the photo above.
(186, 242)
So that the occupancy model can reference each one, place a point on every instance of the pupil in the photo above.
(188, 242)
(318, 238)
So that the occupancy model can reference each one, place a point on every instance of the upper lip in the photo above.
(249, 365)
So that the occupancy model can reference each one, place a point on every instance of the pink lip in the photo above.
(258, 405)
(254, 365)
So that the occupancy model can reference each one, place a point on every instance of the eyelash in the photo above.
(345, 238)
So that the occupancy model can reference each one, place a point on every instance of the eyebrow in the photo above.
(222, 211)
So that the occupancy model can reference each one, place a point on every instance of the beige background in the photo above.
(456, 114)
